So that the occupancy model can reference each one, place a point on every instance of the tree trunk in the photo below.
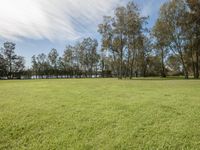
(131, 68)
(185, 69)
(197, 66)
(121, 61)
(102, 69)
(163, 65)
(10, 71)
(193, 66)
(121, 57)
(184, 65)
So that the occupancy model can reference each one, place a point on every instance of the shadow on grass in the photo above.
(162, 79)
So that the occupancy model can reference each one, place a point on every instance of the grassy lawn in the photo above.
(101, 114)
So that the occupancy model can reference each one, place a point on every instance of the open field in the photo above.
(100, 114)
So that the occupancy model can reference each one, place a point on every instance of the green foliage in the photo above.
(128, 48)
(11, 65)
(123, 36)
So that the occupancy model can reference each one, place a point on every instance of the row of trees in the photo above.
(173, 42)
(128, 47)
(177, 35)
(81, 60)
(124, 39)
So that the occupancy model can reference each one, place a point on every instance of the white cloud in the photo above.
(51, 19)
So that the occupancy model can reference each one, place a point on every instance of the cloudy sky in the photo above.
(36, 26)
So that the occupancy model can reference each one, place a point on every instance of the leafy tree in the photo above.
(35, 66)
(136, 40)
(106, 30)
(172, 16)
(61, 67)
(11, 64)
(2, 66)
(19, 66)
(43, 65)
(88, 55)
(192, 32)
(122, 37)
(68, 59)
(10, 56)
(53, 59)
(161, 44)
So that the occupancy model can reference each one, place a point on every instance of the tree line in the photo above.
(127, 47)
(81, 60)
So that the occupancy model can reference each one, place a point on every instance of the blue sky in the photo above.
(37, 26)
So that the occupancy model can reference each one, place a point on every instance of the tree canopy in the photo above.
(127, 48)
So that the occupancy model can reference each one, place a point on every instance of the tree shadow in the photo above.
(162, 79)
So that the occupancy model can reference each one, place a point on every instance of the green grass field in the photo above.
(101, 114)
